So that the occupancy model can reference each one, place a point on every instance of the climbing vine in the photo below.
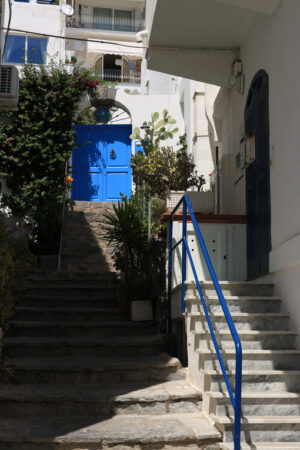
(35, 144)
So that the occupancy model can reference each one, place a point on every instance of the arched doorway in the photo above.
(101, 159)
(258, 178)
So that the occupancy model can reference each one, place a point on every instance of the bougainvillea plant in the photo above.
(37, 142)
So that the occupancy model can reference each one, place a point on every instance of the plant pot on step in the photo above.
(141, 310)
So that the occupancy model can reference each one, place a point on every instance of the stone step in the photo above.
(85, 370)
(74, 290)
(262, 446)
(78, 346)
(48, 262)
(103, 300)
(242, 321)
(85, 266)
(236, 304)
(49, 277)
(261, 428)
(252, 359)
(106, 400)
(68, 314)
(83, 329)
(250, 339)
(191, 430)
(256, 403)
(255, 380)
(65, 281)
(230, 288)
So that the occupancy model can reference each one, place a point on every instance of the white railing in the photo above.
(132, 77)
(106, 23)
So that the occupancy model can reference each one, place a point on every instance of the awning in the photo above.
(133, 50)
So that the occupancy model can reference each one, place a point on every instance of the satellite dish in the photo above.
(67, 10)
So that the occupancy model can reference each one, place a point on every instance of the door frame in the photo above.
(256, 119)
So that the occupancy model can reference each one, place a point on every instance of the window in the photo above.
(20, 49)
(112, 19)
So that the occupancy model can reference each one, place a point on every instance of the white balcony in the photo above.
(95, 22)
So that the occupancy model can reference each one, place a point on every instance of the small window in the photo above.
(20, 49)
(15, 49)
(36, 50)
(23, 1)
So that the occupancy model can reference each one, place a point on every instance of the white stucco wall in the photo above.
(273, 45)
(38, 18)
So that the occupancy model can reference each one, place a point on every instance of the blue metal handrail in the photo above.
(235, 399)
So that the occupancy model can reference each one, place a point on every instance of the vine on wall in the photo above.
(36, 144)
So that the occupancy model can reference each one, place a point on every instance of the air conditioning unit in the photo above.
(9, 88)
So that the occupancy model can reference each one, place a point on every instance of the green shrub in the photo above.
(15, 261)
(37, 142)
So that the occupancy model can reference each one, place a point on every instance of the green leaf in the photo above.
(159, 124)
(155, 117)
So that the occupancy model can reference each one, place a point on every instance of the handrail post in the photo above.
(183, 260)
(238, 398)
(170, 239)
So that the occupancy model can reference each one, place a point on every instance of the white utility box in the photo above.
(226, 245)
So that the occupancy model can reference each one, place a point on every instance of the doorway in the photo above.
(258, 201)
(101, 162)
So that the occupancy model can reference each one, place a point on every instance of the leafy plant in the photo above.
(139, 258)
(37, 142)
(163, 169)
(155, 131)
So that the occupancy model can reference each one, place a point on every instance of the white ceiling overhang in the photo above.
(191, 34)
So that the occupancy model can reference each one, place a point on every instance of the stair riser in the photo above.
(74, 331)
(236, 306)
(252, 290)
(68, 316)
(249, 343)
(67, 302)
(69, 283)
(40, 376)
(265, 324)
(65, 408)
(258, 407)
(68, 291)
(253, 362)
(266, 433)
(252, 383)
(61, 277)
(81, 351)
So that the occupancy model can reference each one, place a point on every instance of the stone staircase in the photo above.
(80, 376)
(271, 365)
(83, 249)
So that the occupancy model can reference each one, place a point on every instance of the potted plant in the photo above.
(138, 258)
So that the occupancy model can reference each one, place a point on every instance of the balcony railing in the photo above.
(132, 77)
(106, 23)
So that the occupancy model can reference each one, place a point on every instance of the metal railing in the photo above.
(132, 77)
(106, 23)
(63, 210)
(235, 399)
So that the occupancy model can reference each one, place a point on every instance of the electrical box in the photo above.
(9, 88)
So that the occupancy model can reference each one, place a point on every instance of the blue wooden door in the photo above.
(101, 162)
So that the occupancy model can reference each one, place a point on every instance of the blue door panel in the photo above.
(101, 162)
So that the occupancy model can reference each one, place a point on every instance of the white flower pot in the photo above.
(141, 310)
(202, 202)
